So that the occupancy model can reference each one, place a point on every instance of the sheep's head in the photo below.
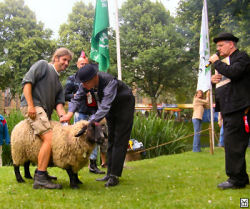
(94, 133)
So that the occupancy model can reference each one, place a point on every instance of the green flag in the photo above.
(99, 41)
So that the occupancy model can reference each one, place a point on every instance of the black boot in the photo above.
(94, 169)
(48, 176)
(41, 181)
(105, 178)
(112, 181)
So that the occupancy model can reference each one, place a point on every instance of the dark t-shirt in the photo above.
(47, 90)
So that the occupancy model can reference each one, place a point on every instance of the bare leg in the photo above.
(103, 158)
(45, 151)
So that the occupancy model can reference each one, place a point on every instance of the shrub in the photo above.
(154, 130)
(14, 118)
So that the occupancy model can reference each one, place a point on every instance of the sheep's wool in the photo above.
(67, 150)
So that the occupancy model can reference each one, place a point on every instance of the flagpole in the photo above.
(118, 51)
(211, 90)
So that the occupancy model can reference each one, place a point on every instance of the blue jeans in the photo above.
(221, 141)
(197, 129)
(80, 116)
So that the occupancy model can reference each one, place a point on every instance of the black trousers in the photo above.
(236, 141)
(120, 123)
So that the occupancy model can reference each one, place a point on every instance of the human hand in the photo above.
(32, 112)
(66, 117)
(220, 123)
(216, 78)
(213, 58)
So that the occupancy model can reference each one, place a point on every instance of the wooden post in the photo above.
(211, 140)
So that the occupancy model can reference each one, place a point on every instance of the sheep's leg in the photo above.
(77, 179)
(27, 170)
(19, 178)
(72, 178)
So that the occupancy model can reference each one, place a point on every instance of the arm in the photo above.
(110, 92)
(74, 104)
(6, 134)
(60, 110)
(70, 89)
(234, 70)
(27, 92)
(216, 78)
(220, 120)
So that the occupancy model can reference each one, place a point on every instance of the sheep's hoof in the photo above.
(20, 181)
(74, 186)
(28, 177)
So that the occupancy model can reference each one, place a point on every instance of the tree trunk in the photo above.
(154, 104)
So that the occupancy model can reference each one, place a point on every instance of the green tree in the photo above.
(23, 41)
(76, 33)
(152, 49)
(223, 15)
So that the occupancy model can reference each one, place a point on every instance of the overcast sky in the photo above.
(55, 12)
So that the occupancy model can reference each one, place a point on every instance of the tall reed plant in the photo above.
(155, 130)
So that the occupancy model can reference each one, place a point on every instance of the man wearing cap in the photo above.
(87, 107)
(117, 106)
(233, 101)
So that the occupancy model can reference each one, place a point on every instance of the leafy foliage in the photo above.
(76, 33)
(223, 15)
(23, 41)
(152, 49)
(154, 130)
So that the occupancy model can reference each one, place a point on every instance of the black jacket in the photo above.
(235, 95)
(71, 88)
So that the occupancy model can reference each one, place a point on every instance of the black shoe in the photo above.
(113, 181)
(229, 185)
(41, 181)
(105, 178)
(94, 169)
(51, 177)
(48, 176)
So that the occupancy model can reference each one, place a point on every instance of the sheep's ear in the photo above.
(81, 132)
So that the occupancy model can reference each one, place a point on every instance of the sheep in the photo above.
(71, 147)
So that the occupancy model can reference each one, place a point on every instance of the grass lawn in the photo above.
(185, 180)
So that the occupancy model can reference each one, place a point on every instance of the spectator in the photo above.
(220, 123)
(198, 109)
(4, 135)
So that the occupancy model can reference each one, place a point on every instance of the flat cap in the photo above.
(87, 72)
(226, 37)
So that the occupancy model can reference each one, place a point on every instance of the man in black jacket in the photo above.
(117, 106)
(233, 101)
(87, 107)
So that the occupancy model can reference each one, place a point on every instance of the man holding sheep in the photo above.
(42, 93)
(117, 106)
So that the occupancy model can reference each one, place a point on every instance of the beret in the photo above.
(226, 37)
(87, 72)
